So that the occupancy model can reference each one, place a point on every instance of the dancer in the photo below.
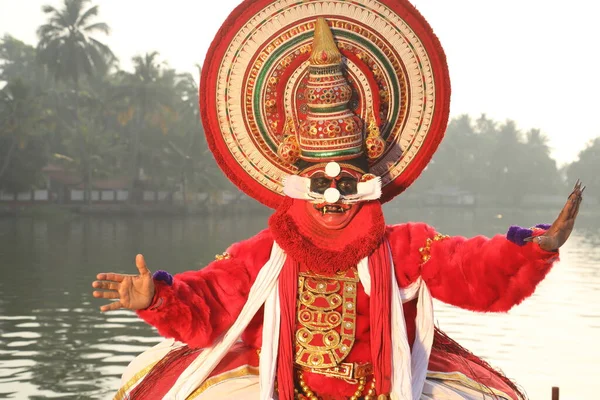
(323, 110)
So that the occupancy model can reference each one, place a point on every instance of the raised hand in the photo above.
(134, 292)
(561, 229)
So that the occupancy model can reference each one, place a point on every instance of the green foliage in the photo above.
(65, 103)
(494, 160)
(66, 43)
(22, 148)
(587, 168)
(18, 61)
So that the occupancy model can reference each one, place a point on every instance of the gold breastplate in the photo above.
(326, 318)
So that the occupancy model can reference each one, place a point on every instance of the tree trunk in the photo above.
(85, 158)
(8, 158)
(135, 168)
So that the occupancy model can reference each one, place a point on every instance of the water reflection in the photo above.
(55, 343)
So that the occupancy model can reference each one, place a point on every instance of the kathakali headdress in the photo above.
(290, 84)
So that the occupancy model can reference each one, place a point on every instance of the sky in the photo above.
(532, 61)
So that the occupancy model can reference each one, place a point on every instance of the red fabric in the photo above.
(479, 274)
(164, 374)
(441, 361)
(380, 310)
(449, 356)
(333, 388)
(288, 285)
(322, 250)
(201, 305)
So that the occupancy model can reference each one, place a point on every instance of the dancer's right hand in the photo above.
(134, 292)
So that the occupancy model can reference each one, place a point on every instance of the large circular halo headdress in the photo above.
(252, 90)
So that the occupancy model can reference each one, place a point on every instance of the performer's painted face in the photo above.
(333, 213)
(333, 192)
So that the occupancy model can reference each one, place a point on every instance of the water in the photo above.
(54, 343)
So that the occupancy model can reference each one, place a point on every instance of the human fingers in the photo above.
(111, 307)
(575, 208)
(577, 186)
(106, 295)
(110, 276)
(548, 243)
(106, 285)
(140, 263)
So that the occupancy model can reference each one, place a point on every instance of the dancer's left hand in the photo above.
(562, 227)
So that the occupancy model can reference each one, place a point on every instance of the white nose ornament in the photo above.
(332, 195)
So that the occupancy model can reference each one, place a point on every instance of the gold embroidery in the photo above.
(326, 312)
(426, 251)
(121, 394)
(349, 372)
(244, 370)
(224, 256)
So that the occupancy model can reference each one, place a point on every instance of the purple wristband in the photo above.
(163, 276)
(517, 234)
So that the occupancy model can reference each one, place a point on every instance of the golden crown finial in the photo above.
(324, 51)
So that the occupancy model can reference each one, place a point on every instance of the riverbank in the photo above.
(50, 210)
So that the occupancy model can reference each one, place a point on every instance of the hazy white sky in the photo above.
(533, 61)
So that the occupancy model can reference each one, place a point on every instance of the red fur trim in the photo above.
(156, 384)
(478, 274)
(482, 274)
(296, 233)
(201, 305)
(405, 241)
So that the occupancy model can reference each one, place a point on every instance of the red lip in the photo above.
(332, 216)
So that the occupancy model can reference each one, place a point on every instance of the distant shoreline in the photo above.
(245, 207)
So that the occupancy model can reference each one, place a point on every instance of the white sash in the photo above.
(265, 286)
(409, 372)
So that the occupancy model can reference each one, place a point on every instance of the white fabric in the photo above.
(424, 332)
(298, 187)
(147, 358)
(369, 190)
(242, 388)
(270, 344)
(247, 387)
(408, 370)
(408, 373)
(435, 389)
(202, 366)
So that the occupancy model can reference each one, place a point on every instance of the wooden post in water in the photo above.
(555, 393)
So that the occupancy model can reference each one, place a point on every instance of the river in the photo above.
(54, 342)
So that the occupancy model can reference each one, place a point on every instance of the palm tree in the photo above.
(151, 92)
(20, 118)
(66, 43)
(66, 46)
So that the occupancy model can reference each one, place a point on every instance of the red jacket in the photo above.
(478, 274)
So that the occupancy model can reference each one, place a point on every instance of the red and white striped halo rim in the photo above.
(256, 70)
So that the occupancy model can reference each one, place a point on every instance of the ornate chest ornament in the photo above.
(326, 318)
